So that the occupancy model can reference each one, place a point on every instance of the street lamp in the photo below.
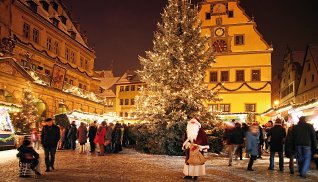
(276, 103)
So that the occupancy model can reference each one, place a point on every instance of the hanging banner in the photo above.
(58, 75)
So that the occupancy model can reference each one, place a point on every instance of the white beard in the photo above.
(192, 131)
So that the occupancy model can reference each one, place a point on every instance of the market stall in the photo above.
(7, 137)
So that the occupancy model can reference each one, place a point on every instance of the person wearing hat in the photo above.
(50, 137)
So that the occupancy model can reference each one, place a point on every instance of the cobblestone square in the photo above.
(133, 166)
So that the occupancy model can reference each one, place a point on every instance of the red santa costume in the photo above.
(194, 134)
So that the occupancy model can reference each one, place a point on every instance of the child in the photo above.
(28, 155)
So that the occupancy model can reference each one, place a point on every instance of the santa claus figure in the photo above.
(194, 134)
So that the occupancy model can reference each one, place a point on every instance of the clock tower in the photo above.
(242, 68)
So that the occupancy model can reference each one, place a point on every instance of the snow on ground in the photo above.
(133, 166)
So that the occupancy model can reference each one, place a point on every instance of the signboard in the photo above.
(58, 75)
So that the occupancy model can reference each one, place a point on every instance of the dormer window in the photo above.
(55, 5)
(45, 5)
(72, 33)
(63, 19)
(55, 21)
(33, 6)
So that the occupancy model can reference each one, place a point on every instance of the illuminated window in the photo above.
(26, 30)
(239, 40)
(213, 107)
(240, 75)
(213, 76)
(224, 76)
(225, 107)
(256, 75)
(250, 107)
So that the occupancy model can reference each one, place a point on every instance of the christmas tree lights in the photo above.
(175, 69)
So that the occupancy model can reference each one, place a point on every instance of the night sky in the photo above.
(120, 30)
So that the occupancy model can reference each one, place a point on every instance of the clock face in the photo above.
(219, 32)
(219, 46)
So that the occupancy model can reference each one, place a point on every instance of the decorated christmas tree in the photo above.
(24, 121)
(174, 73)
(175, 69)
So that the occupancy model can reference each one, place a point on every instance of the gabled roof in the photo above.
(298, 56)
(129, 77)
(108, 80)
(313, 51)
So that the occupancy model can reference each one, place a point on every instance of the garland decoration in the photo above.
(5, 140)
(246, 84)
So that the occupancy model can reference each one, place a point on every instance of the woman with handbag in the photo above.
(195, 143)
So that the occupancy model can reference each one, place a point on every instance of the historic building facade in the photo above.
(50, 56)
(290, 78)
(127, 88)
(242, 69)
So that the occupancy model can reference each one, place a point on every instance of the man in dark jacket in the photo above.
(277, 136)
(305, 142)
(72, 135)
(290, 149)
(50, 137)
(91, 136)
(236, 139)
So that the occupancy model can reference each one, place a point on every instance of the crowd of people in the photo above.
(108, 137)
(295, 141)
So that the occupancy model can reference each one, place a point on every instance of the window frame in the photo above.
(26, 30)
(229, 107)
(214, 76)
(126, 102)
(222, 76)
(36, 36)
(259, 75)
(238, 41)
(238, 77)
(250, 104)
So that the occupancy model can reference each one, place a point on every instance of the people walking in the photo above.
(305, 141)
(261, 141)
(72, 135)
(91, 136)
(252, 142)
(194, 135)
(82, 137)
(35, 139)
(236, 139)
(60, 143)
(290, 149)
(100, 138)
(66, 143)
(50, 137)
(277, 136)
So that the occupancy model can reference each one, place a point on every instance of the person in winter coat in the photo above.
(66, 143)
(290, 149)
(236, 140)
(91, 136)
(117, 137)
(82, 136)
(100, 137)
(261, 141)
(304, 138)
(50, 137)
(72, 135)
(277, 136)
(28, 155)
(108, 142)
(35, 139)
(252, 142)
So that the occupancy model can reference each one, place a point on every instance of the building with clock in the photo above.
(242, 68)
